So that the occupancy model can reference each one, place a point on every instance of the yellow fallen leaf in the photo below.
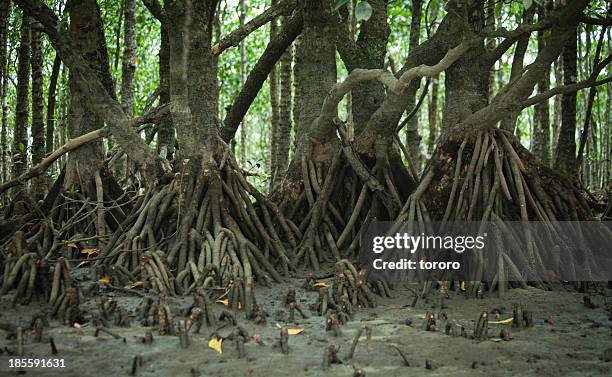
(224, 302)
(319, 284)
(104, 280)
(503, 321)
(294, 331)
(90, 252)
(72, 244)
(216, 344)
(462, 286)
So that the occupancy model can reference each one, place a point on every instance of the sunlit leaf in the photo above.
(319, 284)
(363, 11)
(90, 252)
(72, 244)
(294, 331)
(216, 344)
(503, 321)
(104, 280)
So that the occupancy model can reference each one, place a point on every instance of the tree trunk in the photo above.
(274, 102)
(541, 135)
(87, 32)
(283, 130)
(5, 9)
(165, 136)
(20, 133)
(413, 137)
(38, 125)
(556, 125)
(243, 77)
(128, 68)
(51, 101)
(565, 155)
(433, 116)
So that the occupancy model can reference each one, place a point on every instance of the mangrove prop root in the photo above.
(330, 356)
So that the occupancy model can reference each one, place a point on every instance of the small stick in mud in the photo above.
(19, 340)
(333, 325)
(517, 313)
(428, 364)
(148, 337)
(482, 326)
(183, 334)
(284, 339)
(368, 331)
(402, 354)
(528, 318)
(430, 322)
(137, 361)
(37, 330)
(54, 350)
(323, 300)
(331, 356)
(356, 340)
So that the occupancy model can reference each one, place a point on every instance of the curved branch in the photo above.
(235, 37)
(258, 75)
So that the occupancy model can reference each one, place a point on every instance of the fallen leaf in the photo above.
(104, 280)
(503, 321)
(224, 302)
(462, 286)
(90, 252)
(72, 244)
(83, 263)
(550, 321)
(319, 284)
(216, 344)
(294, 331)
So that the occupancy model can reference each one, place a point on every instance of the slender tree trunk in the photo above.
(20, 133)
(556, 125)
(51, 100)
(413, 138)
(165, 136)
(565, 156)
(433, 116)
(5, 9)
(128, 68)
(243, 76)
(607, 163)
(541, 135)
(274, 102)
(38, 125)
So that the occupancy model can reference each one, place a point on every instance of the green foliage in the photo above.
(363, 11)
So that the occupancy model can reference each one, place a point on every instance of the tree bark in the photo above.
(433, 116)
(51, 101)
(20, 132)
(413, 138)
(128, 68)
(274, 100)
(541, 135)
(282, 139)
(38, 125)
(243, 78)
(565, 154)
(5, 9)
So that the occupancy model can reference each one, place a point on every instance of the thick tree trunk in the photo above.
(128, 68)
(565, 154)
(87, 32)
(20, 132)
(413, 137)
(38, 125)
(541, 146)
(283, 130)
(5, 9)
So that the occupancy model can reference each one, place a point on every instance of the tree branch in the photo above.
(275, 49)
(235, 37)
(156, 9)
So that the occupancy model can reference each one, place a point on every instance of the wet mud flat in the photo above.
(567, 338)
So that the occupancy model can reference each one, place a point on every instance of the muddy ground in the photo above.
(567, 339)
